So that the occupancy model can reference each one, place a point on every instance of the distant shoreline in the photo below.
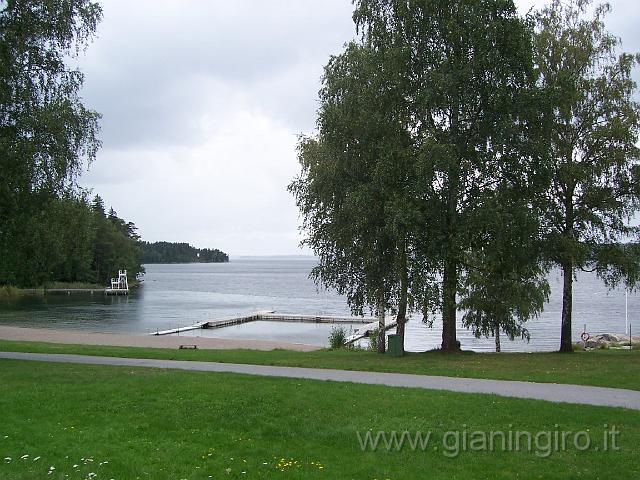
(183, 263)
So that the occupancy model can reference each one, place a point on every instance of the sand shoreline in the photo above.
(141, 340)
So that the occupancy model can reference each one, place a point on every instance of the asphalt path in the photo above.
(552, 392)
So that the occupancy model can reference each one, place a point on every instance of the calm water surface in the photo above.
(180, 295)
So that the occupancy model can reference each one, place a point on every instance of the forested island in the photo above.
(166, 252)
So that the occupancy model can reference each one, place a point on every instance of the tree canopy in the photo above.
(49, 230)
(46, 133)
(461, 151)
(420, 128)
(592, 121)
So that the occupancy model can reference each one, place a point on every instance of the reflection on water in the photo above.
(180, 295)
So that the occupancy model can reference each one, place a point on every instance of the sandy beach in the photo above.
(147, 341)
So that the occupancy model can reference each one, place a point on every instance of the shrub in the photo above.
(337, 337)
(373, 339)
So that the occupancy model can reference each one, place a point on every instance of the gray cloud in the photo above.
(156, 69)
(201, 104)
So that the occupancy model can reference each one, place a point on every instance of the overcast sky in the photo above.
(202, 103)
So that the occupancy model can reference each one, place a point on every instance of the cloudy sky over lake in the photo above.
(202, 104)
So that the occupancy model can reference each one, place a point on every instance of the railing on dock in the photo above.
(119, 286)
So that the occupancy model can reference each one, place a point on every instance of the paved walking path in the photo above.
(553, 392)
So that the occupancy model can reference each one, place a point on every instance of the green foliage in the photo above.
(70, 241)
(592, 122)
(374, 340)
(45, 131)
(117, 245)
(346, 188)
(337, 337)
(46, 135)
(462, 150)
(505, 285)
(8, 291)
(415, 137)
(165, 252)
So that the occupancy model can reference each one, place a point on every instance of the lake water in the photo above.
(180, 295)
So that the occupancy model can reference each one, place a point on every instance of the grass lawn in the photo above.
(605, 368)
(130, 423)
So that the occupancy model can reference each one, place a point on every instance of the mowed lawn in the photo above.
(604, 368)
(80, 422)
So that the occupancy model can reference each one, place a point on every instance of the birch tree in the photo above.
(350, 189)
(592, 120)
(467, 65)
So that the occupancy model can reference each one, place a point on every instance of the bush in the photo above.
(373, 339)
(337, 337)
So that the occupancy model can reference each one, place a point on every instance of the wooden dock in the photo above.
(116, 291)
(69, 291)
(269, 316)
(119, 286)
(89, 291)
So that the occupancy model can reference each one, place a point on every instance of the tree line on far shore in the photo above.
(166, 252)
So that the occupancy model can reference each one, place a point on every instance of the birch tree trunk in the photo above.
(381, 331)
(567, 304)
(401, 318)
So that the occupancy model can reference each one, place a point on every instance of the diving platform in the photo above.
(119, 286)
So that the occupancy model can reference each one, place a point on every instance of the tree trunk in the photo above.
(497, 337)
(401, 318)
(449, 287)
(381, 331)
(566, 344)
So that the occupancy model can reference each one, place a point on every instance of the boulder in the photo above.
(606, 340)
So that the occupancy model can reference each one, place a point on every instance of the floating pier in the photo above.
(269, 316)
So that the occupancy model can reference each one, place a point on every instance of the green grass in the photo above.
(8, 292)
(128, 423)
(606, 368)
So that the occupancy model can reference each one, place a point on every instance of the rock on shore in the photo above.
(606, 340)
